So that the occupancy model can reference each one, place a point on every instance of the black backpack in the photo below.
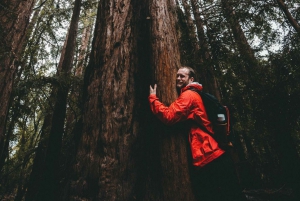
(218, 115)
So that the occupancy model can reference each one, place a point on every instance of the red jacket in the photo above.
(189, 106)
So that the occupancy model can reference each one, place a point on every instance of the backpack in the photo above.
(218, 115)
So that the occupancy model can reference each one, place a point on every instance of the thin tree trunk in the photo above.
(47, 187)
(279, 125)
(207, 74)
(14, 19)
(76, 90)
(84, 46)
(288, 15)
(191, 29)
(245, 50)
(74, 115)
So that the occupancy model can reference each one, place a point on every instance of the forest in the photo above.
(75, 121)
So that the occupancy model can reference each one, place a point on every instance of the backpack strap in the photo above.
(201, 126)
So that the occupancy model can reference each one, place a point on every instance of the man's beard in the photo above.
(178, 88)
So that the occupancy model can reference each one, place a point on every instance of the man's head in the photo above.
(185, 76)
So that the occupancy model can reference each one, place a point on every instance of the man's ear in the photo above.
(192, 79)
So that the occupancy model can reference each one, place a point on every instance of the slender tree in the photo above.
(47, 186)
(245, 50)
(288, 15)
(207, 72)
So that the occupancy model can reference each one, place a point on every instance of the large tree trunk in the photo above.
(105, 160)
(44, 184)
(125, 153)
(14, 19)
(15, 113)
(165, 61)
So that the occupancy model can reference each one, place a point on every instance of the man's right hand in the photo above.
(153, 90)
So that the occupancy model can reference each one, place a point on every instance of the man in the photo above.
(214, 174)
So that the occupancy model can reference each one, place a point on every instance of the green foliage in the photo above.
(33, 85)
(252, 101)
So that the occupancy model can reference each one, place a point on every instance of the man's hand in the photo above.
(153, 90)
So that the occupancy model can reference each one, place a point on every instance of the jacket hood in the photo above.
(194, 85)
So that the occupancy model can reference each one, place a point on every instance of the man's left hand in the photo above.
(153, 90)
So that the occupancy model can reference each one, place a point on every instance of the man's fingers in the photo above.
(153, 90)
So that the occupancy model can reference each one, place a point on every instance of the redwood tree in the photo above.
(165, 61)
(125, 152)
(14, 20)
(105, 168)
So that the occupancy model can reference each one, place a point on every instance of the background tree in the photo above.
(14, 19)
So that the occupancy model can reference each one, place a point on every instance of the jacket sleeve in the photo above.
(177, 111)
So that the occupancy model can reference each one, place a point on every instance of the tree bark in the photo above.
(165, 61)
(125, 153)
(105, 167)
(9, 129)
(14, 19)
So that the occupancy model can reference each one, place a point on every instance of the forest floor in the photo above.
(281, 194)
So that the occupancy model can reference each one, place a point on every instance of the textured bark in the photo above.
(9, 129)
(125, 153)
(14, 19)
(288, 15)
(44, 185)
(174, 152)
(105, 165)
(165, 52)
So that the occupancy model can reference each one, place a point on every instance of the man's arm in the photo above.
(177, 111)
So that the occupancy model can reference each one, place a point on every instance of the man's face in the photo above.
(183, 78)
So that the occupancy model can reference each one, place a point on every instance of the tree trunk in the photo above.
(106, 164)
(191, 37)
(47, 186)
(205, 66)
(14, 19)
(21, 63)
(76, 91)
(288, 15)
(174, 152)
(73, 126)
(125, 153)
(245, 50)
(279, 125)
